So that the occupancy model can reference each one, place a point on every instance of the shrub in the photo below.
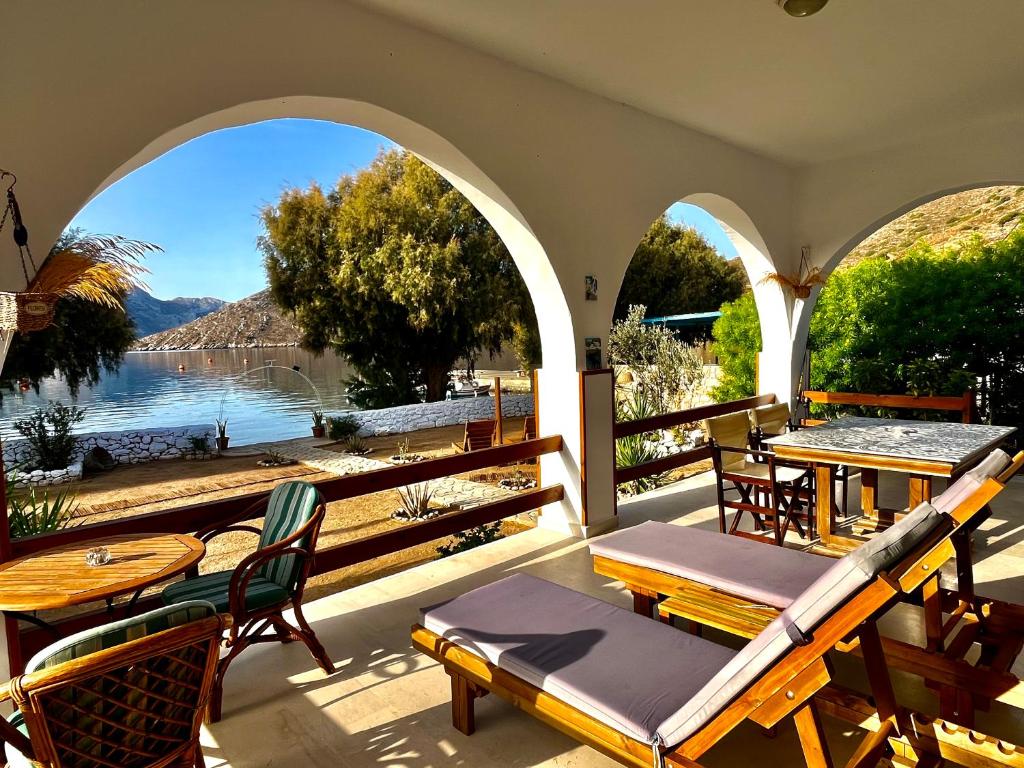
(664, 367)
(199, 445)
(28, 514)
(49, 434)
(474, 537)
(416, 499)
(341, 427)
(636, 449)
(737, 335)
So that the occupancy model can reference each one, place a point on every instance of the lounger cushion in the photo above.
(624, 670)
(958, 492)
(770, 575)
(834, 587)
(758, 470)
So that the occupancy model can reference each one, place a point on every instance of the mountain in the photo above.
(990, 212)
(254, 321)
(152, 315)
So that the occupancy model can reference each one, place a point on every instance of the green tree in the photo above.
(396, 271)
(84, 340)
(674, 271)
(737, 335)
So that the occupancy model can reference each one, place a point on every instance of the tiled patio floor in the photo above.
(388, 706)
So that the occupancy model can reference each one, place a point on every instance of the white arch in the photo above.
(553, 316)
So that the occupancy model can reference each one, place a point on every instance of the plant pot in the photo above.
(319, 431)
(222, 443)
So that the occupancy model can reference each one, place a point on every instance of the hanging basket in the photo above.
(27, 312)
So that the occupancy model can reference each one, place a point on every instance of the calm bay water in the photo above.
(149, 391)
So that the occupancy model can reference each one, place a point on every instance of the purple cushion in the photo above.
(755, 571)
(957, 493)
(627, 671)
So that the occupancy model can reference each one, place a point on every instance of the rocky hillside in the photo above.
(152, 315)
(990, 212)
(254, 321)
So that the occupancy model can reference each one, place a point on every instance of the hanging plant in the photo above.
(801, 283)
(96, 268)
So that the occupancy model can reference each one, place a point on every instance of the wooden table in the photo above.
(921, 449)
(60, 577)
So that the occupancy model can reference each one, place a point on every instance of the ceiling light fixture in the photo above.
(801, 8)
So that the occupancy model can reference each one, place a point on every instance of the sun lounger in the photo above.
(738, 586)
(478, 434)
(571, 660)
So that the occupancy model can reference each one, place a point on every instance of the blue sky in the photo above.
(200, 202)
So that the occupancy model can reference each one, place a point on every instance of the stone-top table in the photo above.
(921, 449)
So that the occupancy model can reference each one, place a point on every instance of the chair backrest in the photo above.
(731, 430)
(479, 434)
(824, 597)
(291, 506)
(529, 428)
(771, 419)
(132, 693)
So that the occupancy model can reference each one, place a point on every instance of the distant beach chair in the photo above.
(529, 428)
(478, 434)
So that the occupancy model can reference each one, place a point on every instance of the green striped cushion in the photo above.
(290, 507)
(213, 588)
(114, 634)
(14, 758)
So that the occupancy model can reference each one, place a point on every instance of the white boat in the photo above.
(466, 388)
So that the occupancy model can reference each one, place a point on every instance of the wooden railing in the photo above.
(190, 518)
(668, 420)
(964, 404)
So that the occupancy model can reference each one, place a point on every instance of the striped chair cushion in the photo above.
(114, 634)
(14, 758)
(213, 588)
(290, 507)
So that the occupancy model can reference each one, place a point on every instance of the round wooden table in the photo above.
(60, 577)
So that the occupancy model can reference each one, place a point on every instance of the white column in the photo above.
(580, 410)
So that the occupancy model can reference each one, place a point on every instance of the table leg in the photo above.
(824, 487)
(869, 491)
(920, 489)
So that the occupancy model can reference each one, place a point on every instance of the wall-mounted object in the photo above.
(590, 287)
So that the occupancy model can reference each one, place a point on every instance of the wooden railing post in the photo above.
(498, 426)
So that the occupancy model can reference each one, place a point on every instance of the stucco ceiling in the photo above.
(860, 75)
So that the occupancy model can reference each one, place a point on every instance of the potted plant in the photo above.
(319, 430)
(222, 435)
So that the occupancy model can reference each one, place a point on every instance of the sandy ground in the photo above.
(134, 490)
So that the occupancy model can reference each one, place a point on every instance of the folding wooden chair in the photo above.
(529, 428)
(563, 656)
(478, 434)
(769, 488)
(777, 419)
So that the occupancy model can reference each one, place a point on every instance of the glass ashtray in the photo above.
(97, 556)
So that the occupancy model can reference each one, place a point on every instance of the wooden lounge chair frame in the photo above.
(787, 688)
(479, 434)
(962, 687)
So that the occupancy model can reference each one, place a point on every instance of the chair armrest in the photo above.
(246, 569)
(231, 524)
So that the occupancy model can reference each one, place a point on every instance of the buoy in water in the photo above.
(245, 361)
(209, 361)
(181, 367)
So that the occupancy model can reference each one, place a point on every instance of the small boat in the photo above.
(466, 388)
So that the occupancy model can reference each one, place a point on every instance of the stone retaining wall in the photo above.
(446, 413)
(129, 447)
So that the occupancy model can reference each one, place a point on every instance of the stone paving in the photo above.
(447, 490)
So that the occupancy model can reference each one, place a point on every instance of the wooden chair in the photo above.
(776, 419)
(128, 694)
(529, 428)
(769, 488)
(265, 583)
(478, 434)
(562, 657)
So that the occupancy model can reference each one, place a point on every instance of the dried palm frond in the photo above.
(799, 285)
(96, 268)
